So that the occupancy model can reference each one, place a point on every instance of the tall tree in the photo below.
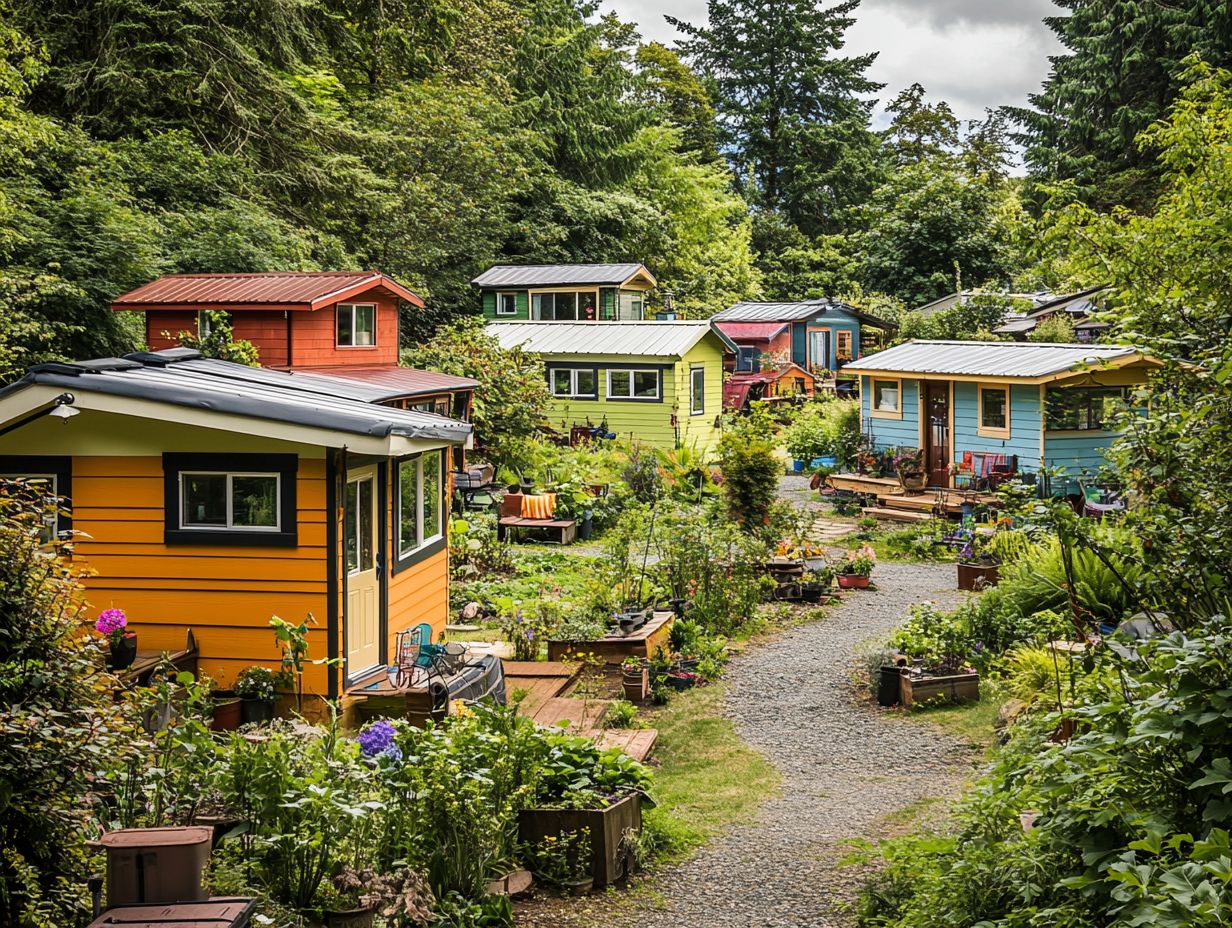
(789, 106)
(679, 98)
(920, 130)
(1123, 66)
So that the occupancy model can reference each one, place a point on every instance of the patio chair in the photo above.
(1099, 501)
(417, 657)
(964, 471)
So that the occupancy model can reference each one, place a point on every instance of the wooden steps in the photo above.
(638, 743)
(896, 515)
(923, 502)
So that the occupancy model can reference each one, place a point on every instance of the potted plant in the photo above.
(682, 679)
(563, 860)
(113, 625)
(256, 687)
(354, 897)
(816, 584)
(855, 572)
(227, 712)
(909, 466)
(977, 570)
(635, 678)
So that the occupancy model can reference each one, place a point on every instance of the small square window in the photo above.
(356, 325)
(886, 396)
(506, 304)
(646, 384)
(994, 408)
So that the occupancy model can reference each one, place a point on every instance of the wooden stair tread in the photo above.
(582, 714)
(896, 515)
(638, 743)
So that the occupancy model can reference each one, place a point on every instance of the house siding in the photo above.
(835, 320)
(1025, 413)
(314, 334)
(1078, 454)
(892, 433)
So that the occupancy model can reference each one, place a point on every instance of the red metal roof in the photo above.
(391, 382)
(300, 290)
(752, 331)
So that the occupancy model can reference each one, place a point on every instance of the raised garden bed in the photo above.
(958, 687)
(610, 856)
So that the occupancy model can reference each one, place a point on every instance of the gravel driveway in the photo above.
(845, 767)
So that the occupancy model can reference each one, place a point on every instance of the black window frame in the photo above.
(1056, 393)
(286, 466)
(59, 466)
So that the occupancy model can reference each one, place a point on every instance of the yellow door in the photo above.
(363, 613)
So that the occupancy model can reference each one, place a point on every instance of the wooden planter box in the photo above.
(611, 860)
(959, 687)
(614, 647)
(974, 577)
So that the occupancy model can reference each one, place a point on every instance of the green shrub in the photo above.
(750, 479)
(827, 428)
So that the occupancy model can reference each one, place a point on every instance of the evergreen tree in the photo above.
(1123, 66)
(791, 111)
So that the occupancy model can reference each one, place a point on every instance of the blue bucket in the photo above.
(798, 466)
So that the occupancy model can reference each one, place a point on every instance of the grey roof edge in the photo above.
(1066, 298)
(821, 304)
(629, 269)
(1095, 355)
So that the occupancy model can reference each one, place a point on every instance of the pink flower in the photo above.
(110, 622)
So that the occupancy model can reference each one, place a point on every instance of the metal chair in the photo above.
(1099, 501)
(417, 656)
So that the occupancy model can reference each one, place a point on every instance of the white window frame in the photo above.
(574, 393)
(421, 540)
(697, 398)
(231, 526)
(500, 295)
(630, 397)
(351, 307)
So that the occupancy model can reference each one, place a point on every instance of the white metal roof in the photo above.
(1025, 360)
(665, 339)
(556, 275)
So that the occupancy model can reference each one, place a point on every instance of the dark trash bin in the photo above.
(889, 686)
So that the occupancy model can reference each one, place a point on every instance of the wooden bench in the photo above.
(141, 670)
(511, 522)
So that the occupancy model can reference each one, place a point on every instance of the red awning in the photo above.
(752, 331)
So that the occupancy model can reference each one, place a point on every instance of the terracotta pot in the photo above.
(635, 685)
(853, 582)
(227, 714)
(977, 576)
(350, 918)
(124, 653)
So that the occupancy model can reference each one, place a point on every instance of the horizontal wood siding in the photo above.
(226, 595)
(268, 333)
(1080, 455)
(171, 322)
(893, 433)
(837, 320)
(521, 300)
(314, 334)
(489, 304)
(1024, 440)
(419, 594)
(650, 422)
(799, 343)
(699, 431)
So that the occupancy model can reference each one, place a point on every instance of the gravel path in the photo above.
(842, 764)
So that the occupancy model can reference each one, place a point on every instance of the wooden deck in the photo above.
(861, 483)
(950, 500)
(896, 515)
(539, 681)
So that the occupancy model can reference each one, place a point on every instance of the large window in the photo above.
(230, 499)
(356, 325)
(563, 307)
(577, 383)
(235, 501)
(995, 411)
(697, 391)
(1084, 409)
(887, 398)
(633, 385)
(50, 477)
(420, 504)
(506, 304)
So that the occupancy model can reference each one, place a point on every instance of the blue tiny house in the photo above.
(825, 334)
(1039, 405)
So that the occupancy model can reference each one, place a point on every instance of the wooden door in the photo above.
(362, 622)
(937, 433)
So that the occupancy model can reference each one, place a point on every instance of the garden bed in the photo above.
(611, 855)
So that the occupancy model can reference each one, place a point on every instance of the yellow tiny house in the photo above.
(212, 496)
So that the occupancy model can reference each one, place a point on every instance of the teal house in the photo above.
(824, 334)
(565, 292)
(1035, 404)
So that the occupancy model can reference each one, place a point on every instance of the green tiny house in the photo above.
(565, 292)
(655, 382)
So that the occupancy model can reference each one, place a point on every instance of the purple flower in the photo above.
(378, 738)
(110, 621)
(393, 753)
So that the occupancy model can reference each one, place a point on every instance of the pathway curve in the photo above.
(845, 767)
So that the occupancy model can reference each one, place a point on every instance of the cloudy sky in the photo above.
(972, 53)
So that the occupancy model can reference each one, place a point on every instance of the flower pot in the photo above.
(527, 487)
(956, 687)
(227, 715)
(853, 581)
(348, 918)
(579, 887)
(124, 652)
(814, 563)
(679, 606)
(680, 682)
(636, 685)
(256, 710)
(798, 466)
(889, 686)
(609, 857)
(912, 483)
(976, 577)
(811, 592)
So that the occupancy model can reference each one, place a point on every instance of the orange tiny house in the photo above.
(210, 496)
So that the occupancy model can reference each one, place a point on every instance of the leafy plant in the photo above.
(256, 682)
(620, 714)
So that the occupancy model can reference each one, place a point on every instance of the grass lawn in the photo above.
(973, 722)
(707, 779)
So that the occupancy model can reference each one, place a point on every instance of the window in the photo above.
(633, 385)
(44, 485)
(574, 382)
(842, 341)
(506, 304)
(50, 476)
(356, 325)
(745, 356)
(887, 399)
(563, 307)
(1084, 409)
(241, 502)
(995, 411)
(636, 309)
(420, 505)
(358, 535)
(230, 499)
(203, 323)
(697, 391)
